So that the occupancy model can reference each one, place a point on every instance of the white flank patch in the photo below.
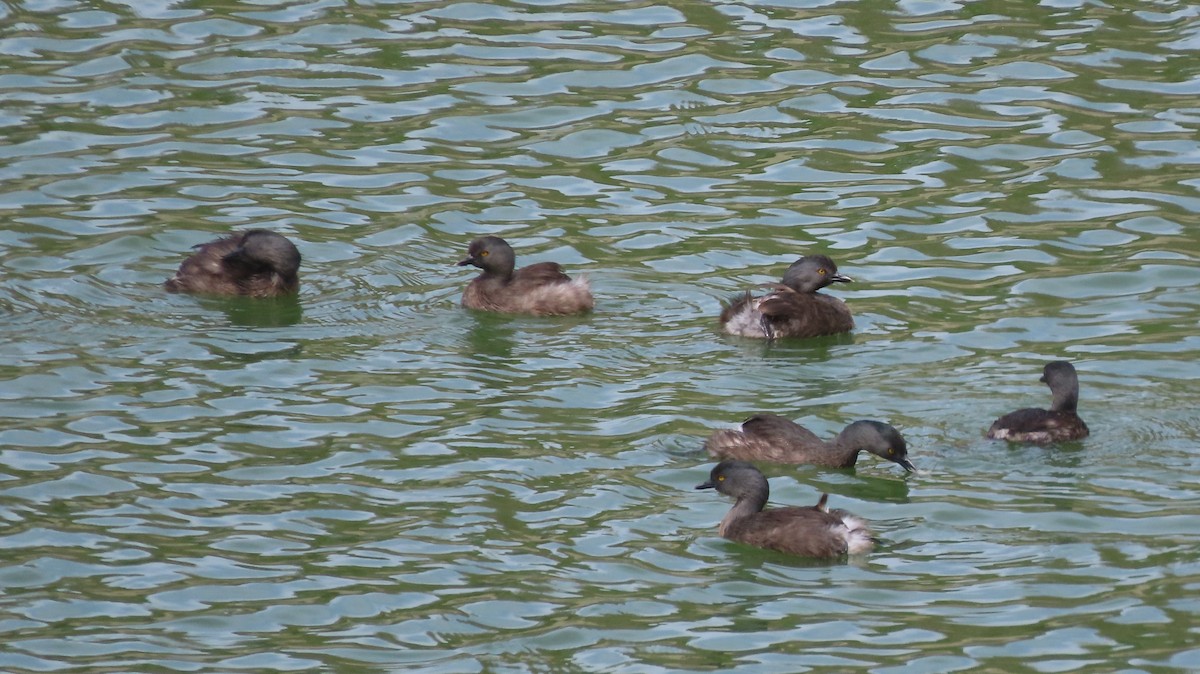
(858, 536)
(859, 541)
(746, 323)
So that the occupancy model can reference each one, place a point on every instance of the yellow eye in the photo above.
(483, 253)
(720, 478)
(891, 451)
(821, 271)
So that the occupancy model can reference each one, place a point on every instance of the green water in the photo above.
(371, 478)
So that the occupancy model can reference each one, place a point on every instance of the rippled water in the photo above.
(372, 477)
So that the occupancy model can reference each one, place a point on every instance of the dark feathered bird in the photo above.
(1056, 424)
(793, 308)
(255, 263)
(540, 289)
(808, 531)
(767, 437)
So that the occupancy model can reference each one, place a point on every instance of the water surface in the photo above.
(371, 477)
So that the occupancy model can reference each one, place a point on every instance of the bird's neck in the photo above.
(1065, 401)
(743, 508)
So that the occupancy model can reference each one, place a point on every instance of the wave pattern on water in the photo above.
(369, 476)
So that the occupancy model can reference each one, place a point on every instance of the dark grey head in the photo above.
(262, 250)
(491, 254)
(1063, 381)
(878, 438)
(811, 273)
(739, 479)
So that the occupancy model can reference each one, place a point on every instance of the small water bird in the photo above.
(1056, 424)
(540, 289)
(254, 263)
(793, 307)
(768, 437)
(812, 531)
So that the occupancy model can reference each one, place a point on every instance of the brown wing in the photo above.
(203, 271)
(808, 532)
(542, 273)
(794, 314)
(208, 272)
(540, 289)
(1037, 425)
(778, 430)
(768, 437)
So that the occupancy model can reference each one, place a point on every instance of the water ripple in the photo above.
(369, 475)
